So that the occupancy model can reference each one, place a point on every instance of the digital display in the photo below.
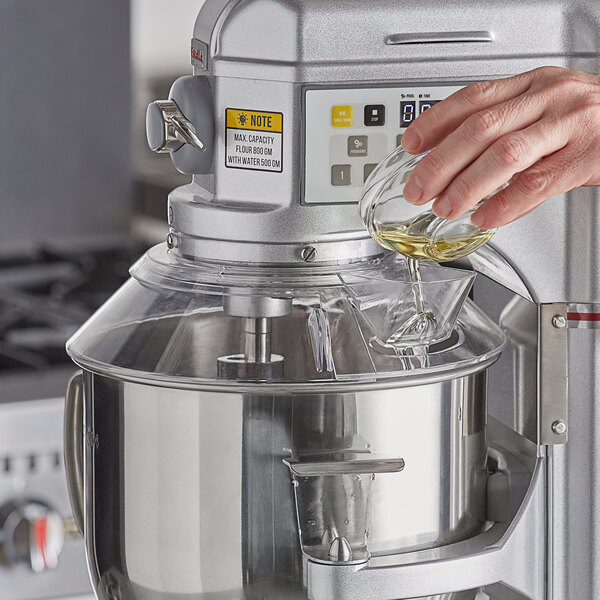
(425, 104)
(408, 112)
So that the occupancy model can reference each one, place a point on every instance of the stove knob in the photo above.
(31, 533)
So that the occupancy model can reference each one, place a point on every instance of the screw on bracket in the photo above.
(559, 427)
(559, 321)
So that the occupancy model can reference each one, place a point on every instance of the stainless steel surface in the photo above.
(345, 464)
(258, 340)
(488, 262)
(197, 476)
(309, 254)
(519, 319)
(257, 71)
(73, 446)
(573, 483)
(256, 307)
(553, 371)
(340, 550)
(343, 483)
(511, 553)
(523, 33)
(249, 68)
(440, 37)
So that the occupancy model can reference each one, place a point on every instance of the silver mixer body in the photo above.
(240, 431)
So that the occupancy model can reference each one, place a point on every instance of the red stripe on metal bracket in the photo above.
(579, 316)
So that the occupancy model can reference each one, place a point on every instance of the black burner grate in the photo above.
(45, 296)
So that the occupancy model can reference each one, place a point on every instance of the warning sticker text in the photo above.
(254, 140)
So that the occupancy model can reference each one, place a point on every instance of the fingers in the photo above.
(456, 152)
(553, 175)
(441, 119)
(540, 131)
(513, 153)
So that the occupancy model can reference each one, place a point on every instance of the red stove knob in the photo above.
(32, 533)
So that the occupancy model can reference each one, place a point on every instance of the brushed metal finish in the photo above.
(241, 40)
(73, 446)
(519, 320)
(553, 370)
(252, 65)
(187, 492)
(511, 553)
(574, 482)
(440, 37)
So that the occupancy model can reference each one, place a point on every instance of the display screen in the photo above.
(425, 104)
(408, 112)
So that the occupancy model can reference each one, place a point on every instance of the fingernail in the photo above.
(411, 141)
(413, 190)
(478, 219)
(442, 207)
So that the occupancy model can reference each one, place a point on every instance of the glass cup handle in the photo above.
(73, 445)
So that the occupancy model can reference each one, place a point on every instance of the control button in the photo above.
(341, 116)
(369, 167)
(399, 140)
(341, 175)
(358, 145)
(374, 115)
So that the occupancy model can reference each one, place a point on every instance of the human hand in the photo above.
(539, 130)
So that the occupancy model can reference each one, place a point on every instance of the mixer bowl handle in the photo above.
(73, 442)
(345, 464)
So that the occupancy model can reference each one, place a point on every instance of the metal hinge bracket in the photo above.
(553, 415)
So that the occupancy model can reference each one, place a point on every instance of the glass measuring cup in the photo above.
(414, 231)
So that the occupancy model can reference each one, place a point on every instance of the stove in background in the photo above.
(66, 203)
(45, 295)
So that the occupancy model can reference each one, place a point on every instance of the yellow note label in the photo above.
(254, 120)
(254, 140)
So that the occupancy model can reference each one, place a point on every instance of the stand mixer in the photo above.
(246, 426)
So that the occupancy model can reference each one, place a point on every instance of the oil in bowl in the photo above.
(414, 231)
(430, 238)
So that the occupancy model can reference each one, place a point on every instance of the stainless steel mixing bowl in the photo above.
(187, 494)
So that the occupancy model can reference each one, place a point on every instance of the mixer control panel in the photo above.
(348, 131)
